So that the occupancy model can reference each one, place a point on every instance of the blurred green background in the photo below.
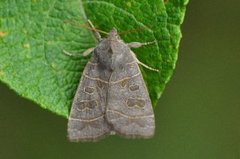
(198, 116)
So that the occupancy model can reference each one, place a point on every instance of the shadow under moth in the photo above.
(111, 97)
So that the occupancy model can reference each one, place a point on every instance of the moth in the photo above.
(112, 97)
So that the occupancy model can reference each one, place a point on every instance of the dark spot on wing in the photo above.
(89, 90)
(135, 102)
(87, 104)
(134, 87)
(124, 83)
(99, 84)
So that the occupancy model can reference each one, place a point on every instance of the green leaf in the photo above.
(34, 33)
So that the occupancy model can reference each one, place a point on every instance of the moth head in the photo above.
(113, 35)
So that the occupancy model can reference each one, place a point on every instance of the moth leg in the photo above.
(139, 44)
(96, 33)
(144, 65)
(76, 54)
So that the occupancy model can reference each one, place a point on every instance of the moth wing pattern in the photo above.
(87, 117)
(129, 108)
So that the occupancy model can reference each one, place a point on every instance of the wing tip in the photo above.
(74, 138)
(135, 135)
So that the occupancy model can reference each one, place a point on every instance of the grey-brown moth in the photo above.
(111, 96)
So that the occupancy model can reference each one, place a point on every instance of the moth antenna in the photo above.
(84, 26)
(133, 30)
(96, 33)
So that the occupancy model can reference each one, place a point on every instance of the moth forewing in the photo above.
(129, 108)
(87, 117)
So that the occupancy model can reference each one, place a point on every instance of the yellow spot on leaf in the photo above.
(1, 73)
(165, 1)
(53, 66)
(2, 34)
(25, 31)
(129, 4)
(26, 46)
